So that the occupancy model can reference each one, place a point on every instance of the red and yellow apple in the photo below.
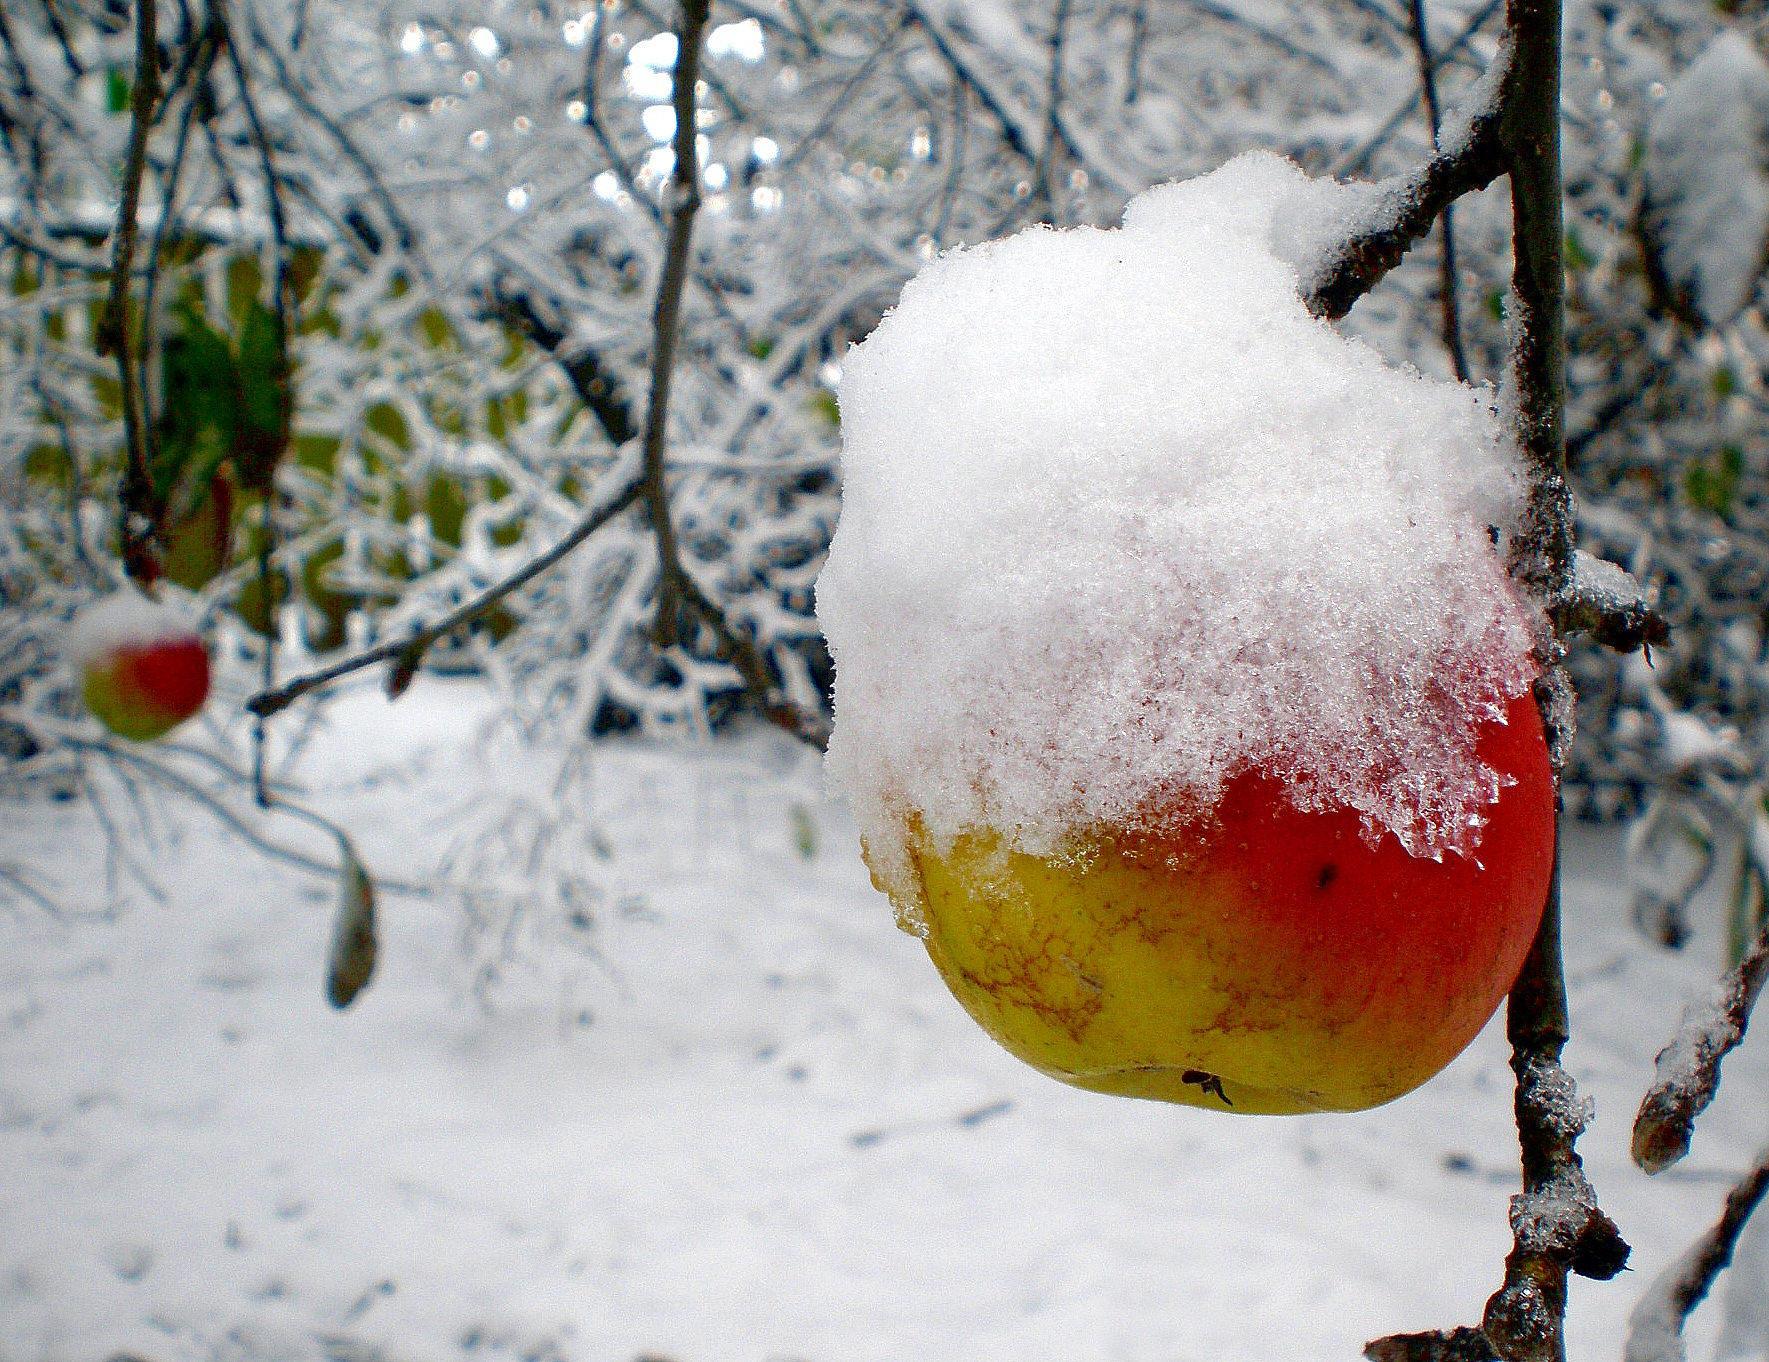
(1262, 959)
(142, 670)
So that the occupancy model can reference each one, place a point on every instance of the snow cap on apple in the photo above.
(142, 666)
(1150, 592)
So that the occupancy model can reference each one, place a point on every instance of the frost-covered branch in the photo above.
(1435, 1345)
(157, 768)
(1471, 157)
(1655, 1329)
(1688, 1069)
(1448, 291)
(1606, 603)
(683, 201)
(1557, 1226)
(595, 383)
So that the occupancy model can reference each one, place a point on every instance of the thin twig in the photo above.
(1011, 132)
(139, 511)
(58, 27)
(1655, 1329)
(1557, 1226)
(1042, 202)
(676, 586)
(682, 201)
(1688, 1069)
(594, 381)
(202, 61)
(1447, 286)
(262, 469)
(402, 229)
(677, 589)
(1435, 1345)
(1355, 162)
(1139, 41)
(1603, 601)
(1472, 158)
(222, 812)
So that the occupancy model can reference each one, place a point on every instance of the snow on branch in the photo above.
(681, 600)
(1688, 1069)
(116, 335)
(1655, 1329)
(1606, 602)
(1471, 156)
(591, 378)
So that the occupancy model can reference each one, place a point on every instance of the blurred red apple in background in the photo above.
(143, 670)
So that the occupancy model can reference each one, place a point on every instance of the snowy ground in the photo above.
(764, 1133)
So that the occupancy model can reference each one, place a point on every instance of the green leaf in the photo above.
(822, 402)
(1578, 258)
(1748, 907)
(446, 506)
(199, 540)
(199, 405)
(117, 90)
(263, 369)
(387, 421)
(1713, 483)
(245, 282)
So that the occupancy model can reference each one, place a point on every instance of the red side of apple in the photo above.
(144, 691)
(1264, 959)
(1380, 961)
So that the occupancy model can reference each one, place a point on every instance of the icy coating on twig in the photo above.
(1687, 1072)
(1122, 521)
(1655, 1329)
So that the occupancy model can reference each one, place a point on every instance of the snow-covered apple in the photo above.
(1182, 699)
(143, 669)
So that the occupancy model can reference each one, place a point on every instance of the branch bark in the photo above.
(1557, 1227)
(1689, 1067)
(1447, 288)
(1655, 1329)
(682, 202)
(139, 511)
(679, 596)
(407, 652)
(1472, 157)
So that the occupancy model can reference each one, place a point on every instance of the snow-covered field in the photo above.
(761, 1132)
